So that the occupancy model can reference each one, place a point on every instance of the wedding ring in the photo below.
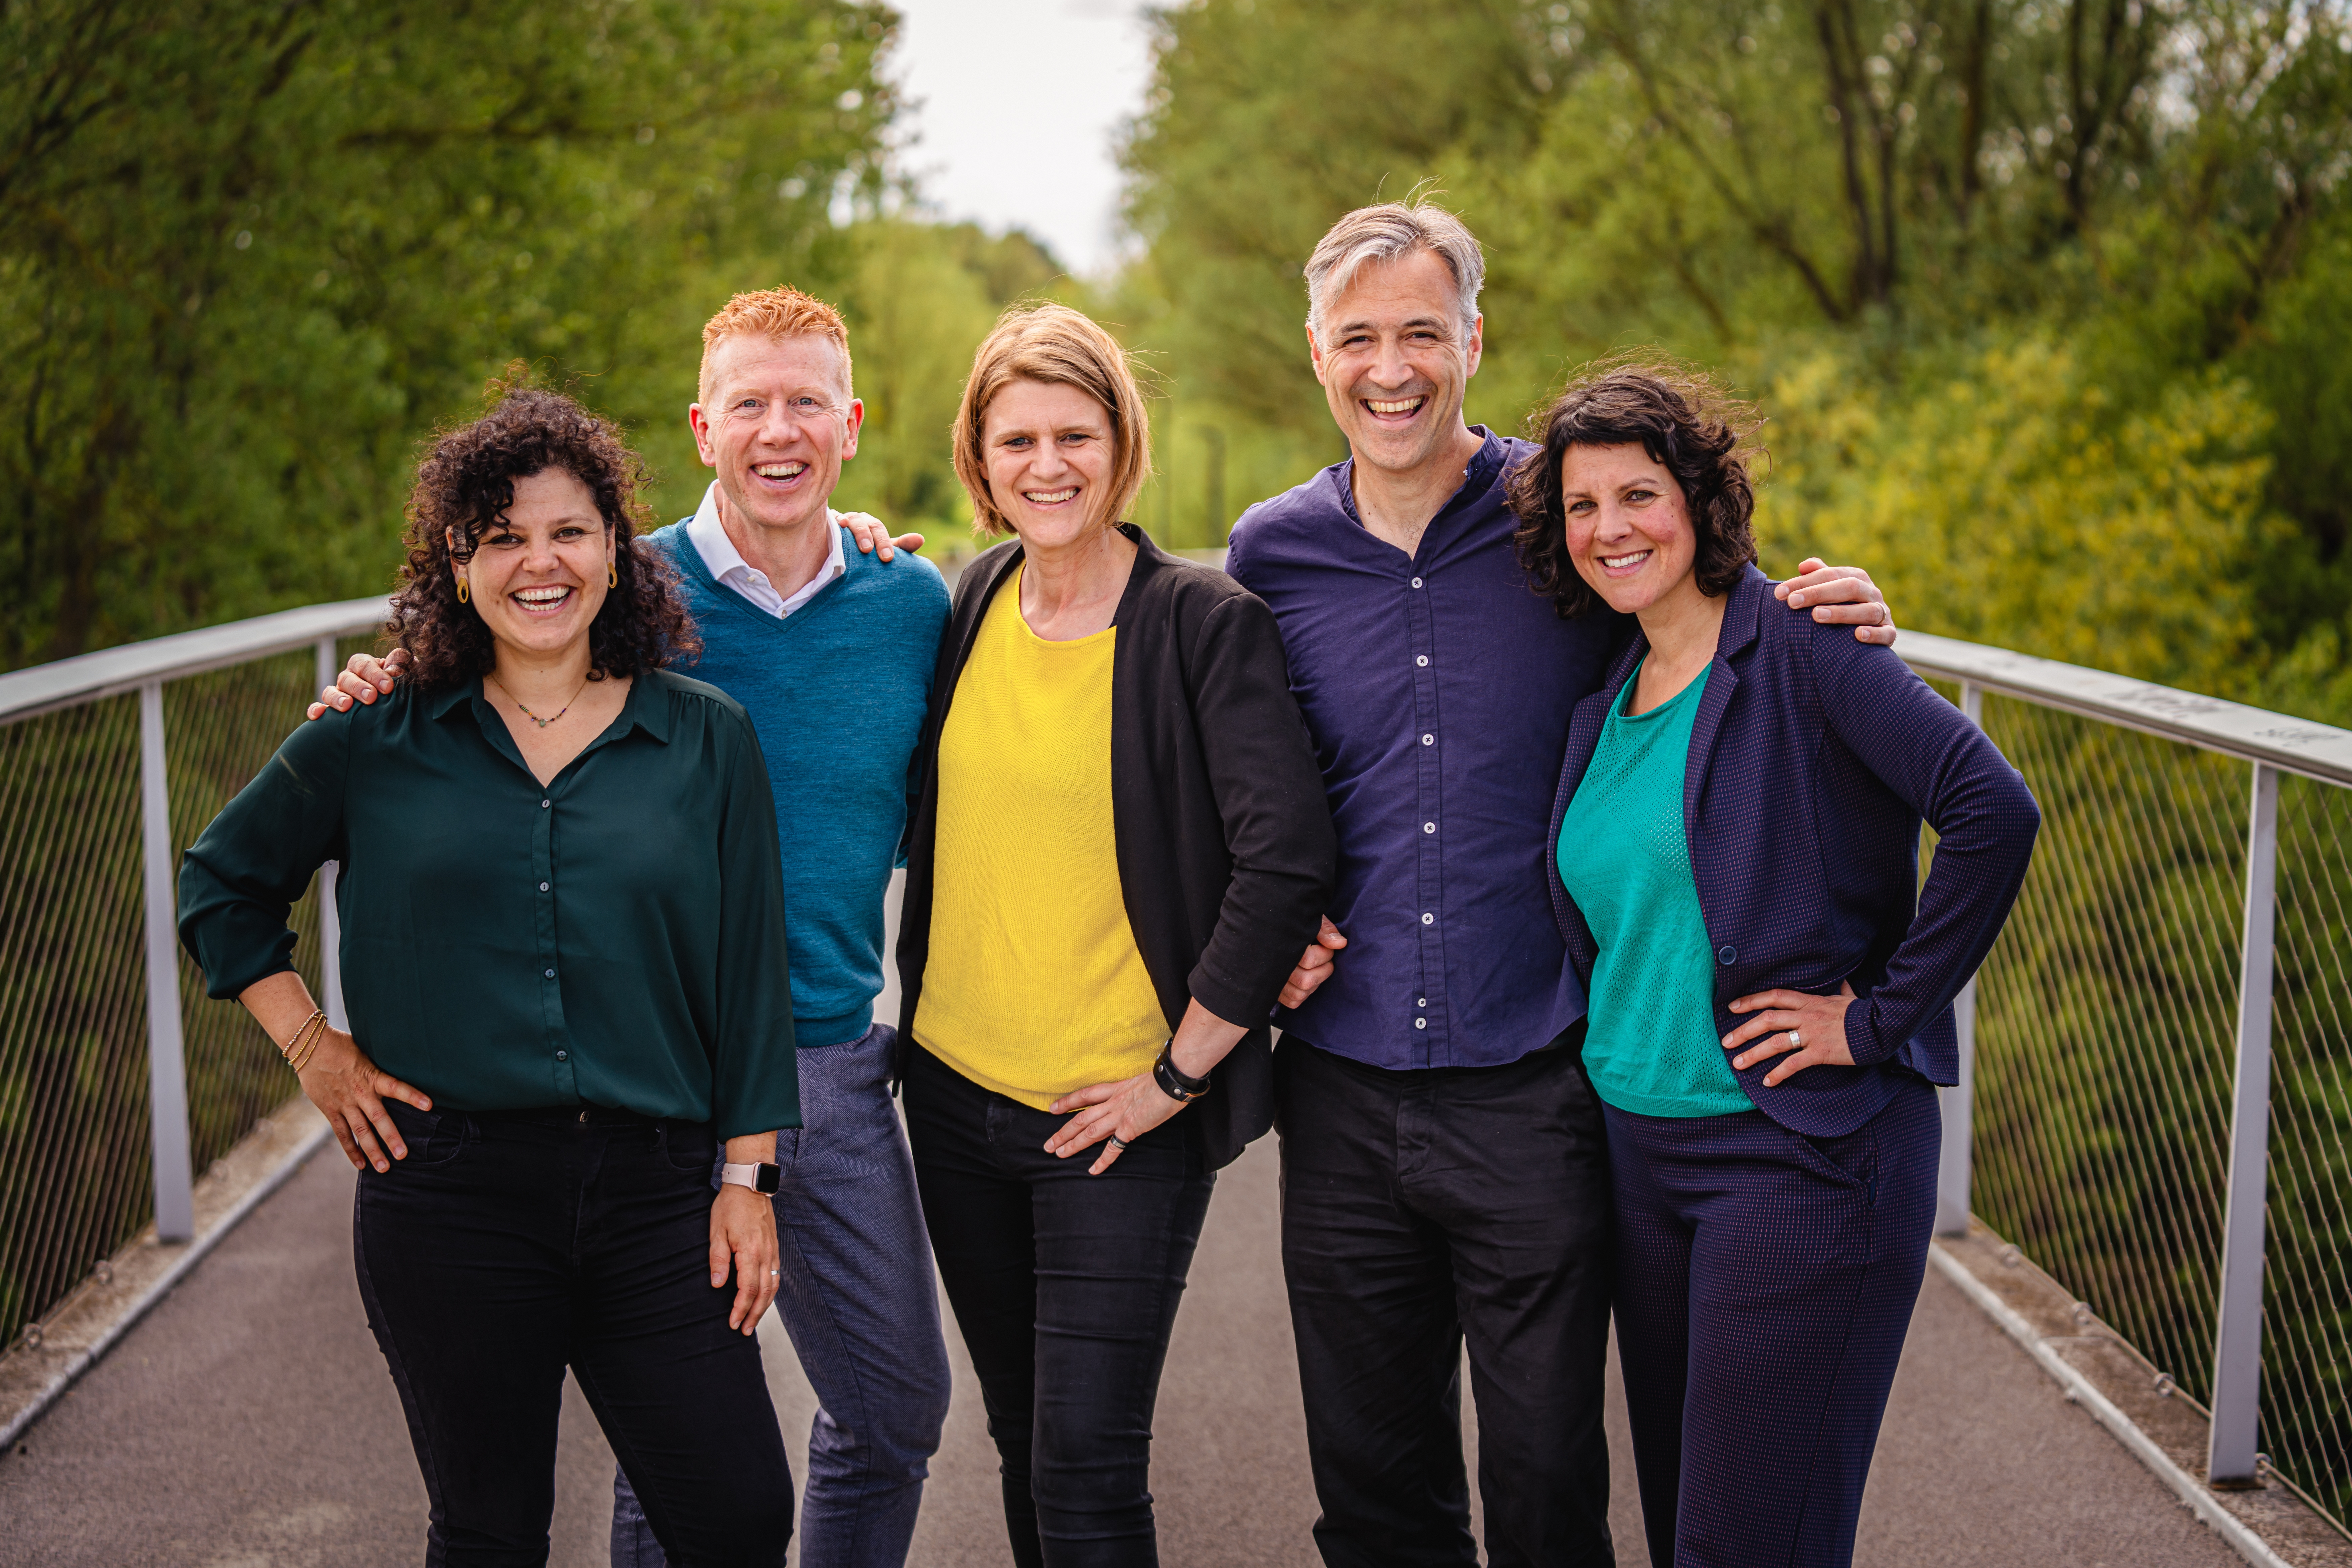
(1795, 1039)
(1118, 1142)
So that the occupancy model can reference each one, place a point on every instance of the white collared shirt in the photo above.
(727, 563)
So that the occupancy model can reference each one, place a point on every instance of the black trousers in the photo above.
(509, 1246)
(1421, 1210)
(1065, 1286)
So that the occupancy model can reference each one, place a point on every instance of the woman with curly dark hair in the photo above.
(1734, 866)
(562, 923)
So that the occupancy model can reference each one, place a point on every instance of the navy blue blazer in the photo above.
(1812, 760)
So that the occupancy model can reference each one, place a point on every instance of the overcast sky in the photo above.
(1016, 106)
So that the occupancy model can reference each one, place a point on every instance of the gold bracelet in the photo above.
(312, 1051)
(317, 1019)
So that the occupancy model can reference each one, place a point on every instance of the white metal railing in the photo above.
(2268, 743)
(144, 668)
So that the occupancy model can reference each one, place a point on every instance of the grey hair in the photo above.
(1388, 232)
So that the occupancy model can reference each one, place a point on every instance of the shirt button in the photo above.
(1416, 582)
(542, 887)
(1423, 661)
(562, 1055)
(1727, 953)
(1422, 1002)
(1429, 740)
(1425, 920)
(543, 804)
(1421, 1023)
(1429, 828)
(551, 974)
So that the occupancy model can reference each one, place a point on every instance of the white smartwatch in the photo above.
(761, 1179)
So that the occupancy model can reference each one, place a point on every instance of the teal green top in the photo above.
(1652, 1046)
(614, 937)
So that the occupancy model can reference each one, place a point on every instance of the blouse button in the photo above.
(562, 1055)
(551, 974)
(543, 804)
(542, 887)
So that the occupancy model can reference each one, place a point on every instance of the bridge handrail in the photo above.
(2300, 746)
(2272, 744)
(45, 687)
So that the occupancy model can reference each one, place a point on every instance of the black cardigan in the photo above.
(1227, 855)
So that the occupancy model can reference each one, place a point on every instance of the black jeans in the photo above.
(1420, 1209)
(510, 1245)
(1065, 1286)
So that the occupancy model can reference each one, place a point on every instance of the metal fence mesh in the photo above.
(2307, 1279)
(2106, 1055)
(76, 1180)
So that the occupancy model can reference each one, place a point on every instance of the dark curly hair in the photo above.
(465, 482)
(1686, 423)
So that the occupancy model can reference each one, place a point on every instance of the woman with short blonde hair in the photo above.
(1118, 841)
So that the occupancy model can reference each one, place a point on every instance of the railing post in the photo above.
(2238, 1337)
(167, 1070)
(331, 923)
(1953, 1169)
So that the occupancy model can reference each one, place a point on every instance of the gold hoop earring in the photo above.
(464, 593)
(612, 574)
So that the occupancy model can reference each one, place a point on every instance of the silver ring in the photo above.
(1116, 1142)
(1795, 1039)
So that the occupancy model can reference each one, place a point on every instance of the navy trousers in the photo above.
(1765, 1281)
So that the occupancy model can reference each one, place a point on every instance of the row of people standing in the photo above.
(1144, 806)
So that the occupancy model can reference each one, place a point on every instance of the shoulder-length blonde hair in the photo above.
(1060, 347)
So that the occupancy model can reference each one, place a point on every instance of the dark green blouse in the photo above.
(615, 938)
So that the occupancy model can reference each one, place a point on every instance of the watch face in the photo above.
(768, 1179)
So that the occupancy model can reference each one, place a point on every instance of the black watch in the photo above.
(763, 1179)
(1174, 1083)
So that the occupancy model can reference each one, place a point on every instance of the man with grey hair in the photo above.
(1444, 1168)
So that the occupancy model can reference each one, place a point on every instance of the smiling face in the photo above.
(537, 578)
(1394, 362)
(1049, 456)
(1629, 527)
(776, 420)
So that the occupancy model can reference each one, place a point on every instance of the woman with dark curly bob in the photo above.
(1735, 873)
(563, 938)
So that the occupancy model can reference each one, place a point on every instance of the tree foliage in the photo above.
(250, 253)
(1934, 203)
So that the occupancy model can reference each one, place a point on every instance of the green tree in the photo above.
(248, 254)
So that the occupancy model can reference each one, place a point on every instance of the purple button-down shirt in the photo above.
(1438, 690)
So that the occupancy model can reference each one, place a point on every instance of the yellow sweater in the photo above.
(1034, 986)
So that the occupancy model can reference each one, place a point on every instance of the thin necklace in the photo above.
(534, 718)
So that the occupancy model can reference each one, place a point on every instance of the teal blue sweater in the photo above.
(837, 691)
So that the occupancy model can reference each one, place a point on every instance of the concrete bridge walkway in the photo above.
(248, 1422)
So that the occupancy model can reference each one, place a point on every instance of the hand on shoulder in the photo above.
(1840, 596)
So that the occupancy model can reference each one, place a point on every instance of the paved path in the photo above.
(248, 1422)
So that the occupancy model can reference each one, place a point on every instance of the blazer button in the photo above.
(1727, 953)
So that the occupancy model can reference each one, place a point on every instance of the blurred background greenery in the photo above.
(2049, 301)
